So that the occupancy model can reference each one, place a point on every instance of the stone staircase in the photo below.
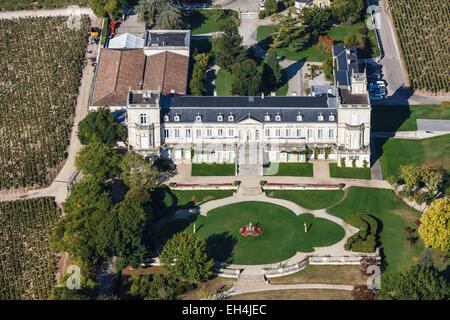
(250, 159)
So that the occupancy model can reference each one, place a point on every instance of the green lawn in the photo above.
(282, 234)
(349, 172)
(396, 152)
(203, 21)
(213, 169)
(223, 83)
(294, 169)
(394, 216)
(312, 53)
(403, 118)
(309, 199)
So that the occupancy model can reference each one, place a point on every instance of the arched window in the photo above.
(267, 117)
(299, 117)
(220, 117)
(231, 117)
(176, 118)
(143, 118)
(331, 117)
(166, 118)
(320, 117)
(198, 117)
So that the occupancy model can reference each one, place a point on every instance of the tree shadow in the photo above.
(220, 246)
(210, 78)
(195, 19)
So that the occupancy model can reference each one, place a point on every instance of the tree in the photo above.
(99, 160)
(227, 47)
(433, 178)
(148, 10)
(100, 125)
(272, 73)
(270, 7)
(325, 44)
(198, 79)
(102, 7)
(133, 216)
(411, 175)
(316, 19)
(246, 79)
(414, 283)
(291, 33)
(185, 257)
(362, 292)
(327, 67)
(347, 11)
(351, 40)
(170, 18)
(434, 225)
(85, 230)
(157, 287)
(137, 171)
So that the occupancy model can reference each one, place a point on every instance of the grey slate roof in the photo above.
(187, 107)
(346, 64)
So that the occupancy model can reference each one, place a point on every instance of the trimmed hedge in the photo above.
(365, 240)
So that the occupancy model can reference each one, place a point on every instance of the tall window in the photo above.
(188, 133)
(230, 132)
(310, 133)
(209, 132)
(320, 133)
(177, 133)
(267, 132)
(220, 132)
(278, 132)
(143, 118)
(288, 132)
(331, 133)
(198, 133)
(166, 133)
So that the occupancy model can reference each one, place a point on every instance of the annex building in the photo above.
(150, 82)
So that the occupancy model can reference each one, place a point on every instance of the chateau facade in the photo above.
(163, 121)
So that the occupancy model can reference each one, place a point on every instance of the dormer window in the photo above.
(220, 117)
(176, 118)
(198, 117)
(231, 117)
(267, 117)
(299, 117)
(278, 117)
(320, 117)
(166, 118)
(331, 117)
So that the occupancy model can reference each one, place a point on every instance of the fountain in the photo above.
(250, 230)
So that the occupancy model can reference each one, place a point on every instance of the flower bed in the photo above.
(307, 186)
(203, 186)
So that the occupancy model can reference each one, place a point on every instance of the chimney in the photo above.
(262, 95)
(273, 94)
(294, 94)
(215, 93)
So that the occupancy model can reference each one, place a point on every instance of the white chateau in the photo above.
(149, 82)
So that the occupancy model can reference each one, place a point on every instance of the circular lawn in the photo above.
(282, 235)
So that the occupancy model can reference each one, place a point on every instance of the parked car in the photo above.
(376, 96)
